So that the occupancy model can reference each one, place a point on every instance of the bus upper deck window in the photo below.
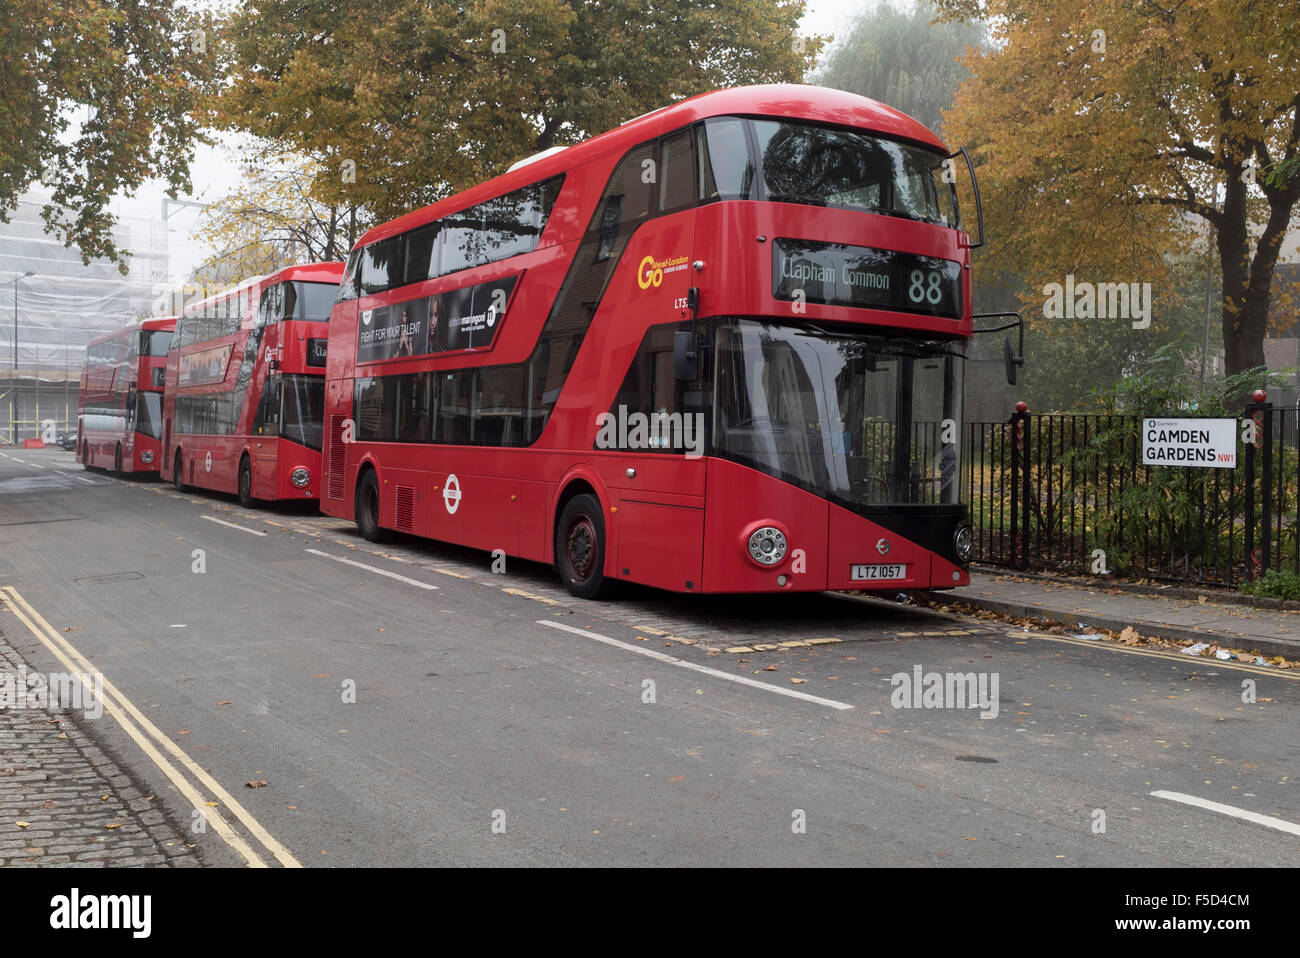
(726, 171)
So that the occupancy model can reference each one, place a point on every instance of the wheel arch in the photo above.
(577, 481)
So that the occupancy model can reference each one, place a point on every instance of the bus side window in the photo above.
(628, 197)
(381, 266)
(350, 286)
(677, 173)
(726, 169)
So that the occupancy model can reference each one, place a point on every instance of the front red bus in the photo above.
(119, 404)
(718, 349)
(244, 396)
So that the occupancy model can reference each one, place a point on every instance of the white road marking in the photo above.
(370, 568)
(223, 522)
(1244, 814)
(16, 459)
(84, 479)
(673, 660)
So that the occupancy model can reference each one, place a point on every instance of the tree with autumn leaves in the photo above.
(411, 100)
(1109, 134)
(98, 97)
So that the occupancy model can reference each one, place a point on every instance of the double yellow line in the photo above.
(141, 730)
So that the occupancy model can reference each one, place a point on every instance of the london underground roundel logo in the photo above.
(207, 463)
(451, 494)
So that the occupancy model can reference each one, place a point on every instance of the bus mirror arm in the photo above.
(979, 209)
(1013, 359)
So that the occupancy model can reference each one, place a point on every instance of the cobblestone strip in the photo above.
(78, 807)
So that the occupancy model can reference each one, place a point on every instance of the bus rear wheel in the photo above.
(580, 547)
(245, 483)
(178, 479)
(367, 509)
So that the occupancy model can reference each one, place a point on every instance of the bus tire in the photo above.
(117, 460)
(580, 547)
(246, 483)
(85, 454)
(366, 509)
(178, 477)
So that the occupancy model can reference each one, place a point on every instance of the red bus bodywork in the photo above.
(242, 387)
(119, 403)
(679, 522)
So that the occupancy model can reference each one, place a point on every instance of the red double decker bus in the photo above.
(119, 403)
(718, 349)
(245, 387)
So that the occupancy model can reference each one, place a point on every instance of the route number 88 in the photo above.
(923, 286)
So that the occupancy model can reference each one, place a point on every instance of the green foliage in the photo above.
(99, 96)
(1167, 384)
(421, 98)
(903, 59)
(1275, 584)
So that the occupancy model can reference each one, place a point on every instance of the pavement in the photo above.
(63, 801)
(1267, 632)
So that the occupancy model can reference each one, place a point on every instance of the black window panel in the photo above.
(154, 342)
(677, 172)
(727, 169)
(307, 302)
(266, 422)
(148, 415)
(375, 403)
(460, 241)
(455, 406)
(381, 266)
(303, 410)
(414, 407)
(421, 249)
(350, 287)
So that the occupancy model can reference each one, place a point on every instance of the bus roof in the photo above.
(791, 100)
(301, 272)
(156, 322)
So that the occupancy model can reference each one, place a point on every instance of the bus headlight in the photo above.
(963, 543)
(300, 477)
(767, 545)
(146, 456)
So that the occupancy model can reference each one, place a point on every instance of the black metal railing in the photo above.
(1070, 493)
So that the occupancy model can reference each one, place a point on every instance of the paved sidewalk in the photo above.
(77, 807)
(1265, 631)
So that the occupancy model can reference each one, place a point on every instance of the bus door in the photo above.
(661, 485)
(266, 432)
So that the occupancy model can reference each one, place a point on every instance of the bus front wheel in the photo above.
(580, 547)
(85, 454)
(367, 509)
(245, 483)
(178, 479)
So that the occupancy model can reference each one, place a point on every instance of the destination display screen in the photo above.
(836, 274)
(316, 351)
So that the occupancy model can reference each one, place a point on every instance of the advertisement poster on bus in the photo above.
(204, 366)
(464, 318)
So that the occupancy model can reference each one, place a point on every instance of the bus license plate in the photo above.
(873, 573)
